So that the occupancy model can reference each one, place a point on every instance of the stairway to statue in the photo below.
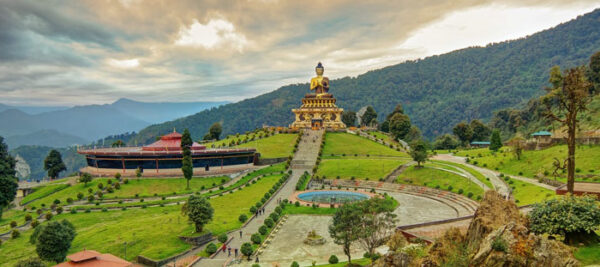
(304, 160)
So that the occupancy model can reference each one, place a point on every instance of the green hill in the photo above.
(464, 84)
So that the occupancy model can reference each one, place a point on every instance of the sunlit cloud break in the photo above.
(215, 33)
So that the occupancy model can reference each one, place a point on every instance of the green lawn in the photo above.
(537, 161)
(13, 215)
(229, 207)
(350, 144)
(42, 191)
(439, 179)
(361, 262)
(151, 232)
(292, 209)
(473, 172)
(382, 136)
(588, 255)
(527, 193)
(146, 187)
(359, 167)
(276, 146)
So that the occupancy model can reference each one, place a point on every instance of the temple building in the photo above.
(164, 157)
(318, 109)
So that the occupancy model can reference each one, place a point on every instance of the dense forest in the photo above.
(437, 92)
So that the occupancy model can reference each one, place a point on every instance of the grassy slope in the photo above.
(13, 215)
(473, 172)
(349, 144)
(152, 231)
(360, 167)
(146, 187)
(588, 255)
(43, 191)
(526, 193)
(432, 178)
(534, 162)
(361, 262)
(276, 146)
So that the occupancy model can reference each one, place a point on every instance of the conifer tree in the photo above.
(186, 148)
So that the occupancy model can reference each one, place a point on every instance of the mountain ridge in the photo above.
(462, 85)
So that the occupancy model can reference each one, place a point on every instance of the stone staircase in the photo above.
(308, 150)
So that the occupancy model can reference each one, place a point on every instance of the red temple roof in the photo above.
(92, 258)
(170, 142)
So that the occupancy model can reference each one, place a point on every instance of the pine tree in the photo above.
(54, 164)
(496, 141)
(187, 165)
(8, 181)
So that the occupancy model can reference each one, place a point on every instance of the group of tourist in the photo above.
(228, 249)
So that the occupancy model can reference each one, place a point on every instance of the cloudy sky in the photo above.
(92, 52)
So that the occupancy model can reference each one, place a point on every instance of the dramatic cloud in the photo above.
(78, 52)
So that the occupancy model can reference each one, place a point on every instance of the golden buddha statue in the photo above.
(320, 84)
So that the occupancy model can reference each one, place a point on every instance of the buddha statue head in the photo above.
(319, 69)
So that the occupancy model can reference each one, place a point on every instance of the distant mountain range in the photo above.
(63, 126)
(437, 92)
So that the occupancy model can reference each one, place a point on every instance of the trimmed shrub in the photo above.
(48, 216)
(253, 209)
(35, 223)
(295, 264)
(211, 248)
(255, 238)
(13, 224)
(263, 230)
(222, 238)
(243, 218)
(15, 234)
(269, 222)
(73, 211)
(333, 259)
(28, 217)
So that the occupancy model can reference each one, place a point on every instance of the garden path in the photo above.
(305, 158)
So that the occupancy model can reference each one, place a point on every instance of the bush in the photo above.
(59, 210)
(13, 224)
(211, 248)
(297, 204)
(263, 230)
(88, 210)
(100, 186)
(69, 200)
(80, 196)
(109, 181)
(253, 209)
(499, 244)
(295, 264)
(15, 234)
(91, 198)
(275, 216)
(28, 217)
(35, 223)
(470, 194)
(73, 211)
(222, 238)
(48, 216)
(278, 210)
(269, 222)
(243, 218)
(56, 201)
(126, 181)
(460, 191)
(255, 238)
(333, 259)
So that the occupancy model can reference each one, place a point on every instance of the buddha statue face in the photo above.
(319, 69)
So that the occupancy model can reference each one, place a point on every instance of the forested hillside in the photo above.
(35, 155)
(436, 92)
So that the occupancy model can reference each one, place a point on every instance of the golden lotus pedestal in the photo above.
(317, 112)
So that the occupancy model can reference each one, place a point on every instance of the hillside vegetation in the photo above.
(462, 85)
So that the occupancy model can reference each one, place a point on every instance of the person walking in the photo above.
(240, 233)
(257, 259)
(229, 251)
(236, 252)
(224, 247)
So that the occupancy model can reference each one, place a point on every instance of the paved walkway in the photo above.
(305, 159)
(493, 175)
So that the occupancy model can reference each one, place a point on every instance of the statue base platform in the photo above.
(318, 111)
